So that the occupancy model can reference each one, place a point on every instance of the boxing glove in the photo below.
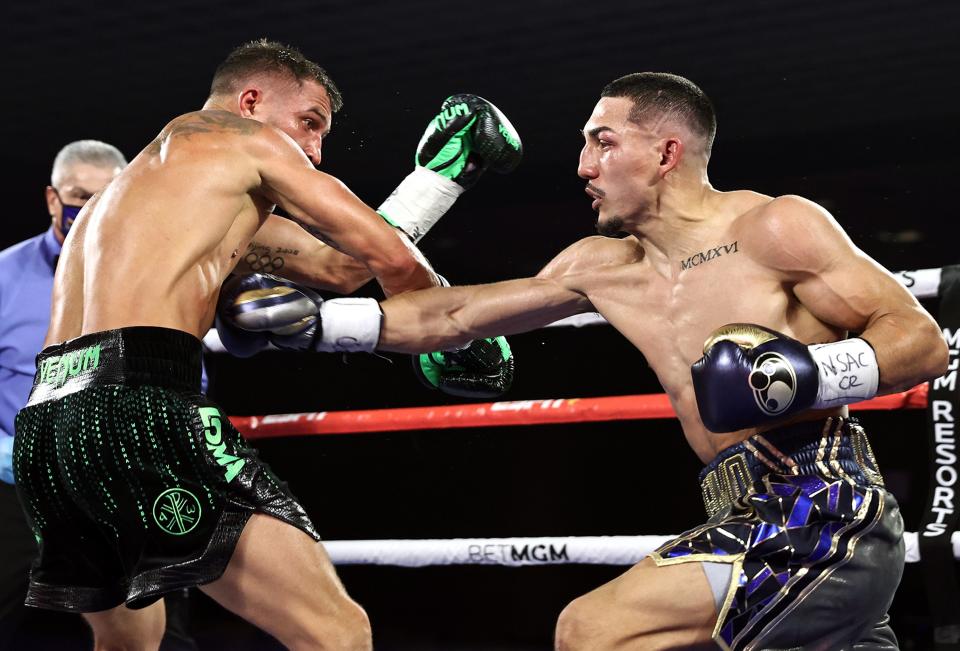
(750, 375)
(483, 369)
(467, 137)
(257, 309)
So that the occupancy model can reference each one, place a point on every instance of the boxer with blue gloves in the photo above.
(803, 543)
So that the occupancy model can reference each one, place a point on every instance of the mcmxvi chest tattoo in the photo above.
(708, 255)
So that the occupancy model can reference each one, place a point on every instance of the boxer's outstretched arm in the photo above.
(435, 319)
(329, 210)
(842, 286)
(284, 248)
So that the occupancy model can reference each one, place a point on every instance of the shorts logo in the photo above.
(774, 383)
(176, 511)
(58, 369)
(213, 433)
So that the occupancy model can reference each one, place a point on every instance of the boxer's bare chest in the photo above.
(668, 309)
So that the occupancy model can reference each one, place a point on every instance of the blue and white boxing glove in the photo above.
(258, 309)
(467, 137)
(750, 375)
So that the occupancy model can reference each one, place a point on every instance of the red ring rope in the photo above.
(498, 414)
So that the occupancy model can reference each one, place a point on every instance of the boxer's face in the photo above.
(619, 160)
(80, 182)
(302, 111)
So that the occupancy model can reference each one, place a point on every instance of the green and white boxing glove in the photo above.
(467, 137)
(483, 369)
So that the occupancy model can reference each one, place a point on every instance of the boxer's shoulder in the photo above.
(596, 253)
(787, 232)
(209, 121)
(208, 130)
(782, 216)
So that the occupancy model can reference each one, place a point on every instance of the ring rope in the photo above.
(500, 414)
(519, 552)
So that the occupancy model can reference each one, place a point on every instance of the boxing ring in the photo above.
(605, 550)
(935, 545)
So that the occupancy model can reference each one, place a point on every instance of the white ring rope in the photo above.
(519, 552)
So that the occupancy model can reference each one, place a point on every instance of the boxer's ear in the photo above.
(671, 151)
(249, 100)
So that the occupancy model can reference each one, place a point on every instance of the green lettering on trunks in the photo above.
(58, 369)
(212, 432)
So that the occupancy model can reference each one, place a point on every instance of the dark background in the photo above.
(852, 104)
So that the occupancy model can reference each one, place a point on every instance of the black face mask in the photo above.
(67, 215)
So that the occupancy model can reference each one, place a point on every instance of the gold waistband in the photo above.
(736, 477)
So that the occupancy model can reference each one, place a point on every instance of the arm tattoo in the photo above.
(313, 230)
(263, 258)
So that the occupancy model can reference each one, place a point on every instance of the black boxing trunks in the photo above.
(812, 539)
(133, 482)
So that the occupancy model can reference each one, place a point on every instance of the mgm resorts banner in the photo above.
(942, 515)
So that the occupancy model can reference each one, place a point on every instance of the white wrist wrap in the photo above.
(420, 201)
(848, 372)
(349, 325)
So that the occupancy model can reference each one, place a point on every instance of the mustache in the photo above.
(600, 193)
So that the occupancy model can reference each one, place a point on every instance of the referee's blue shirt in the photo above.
(26, 282)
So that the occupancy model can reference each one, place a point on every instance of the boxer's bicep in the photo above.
(440, 318)
(833, 279)
(842, 286)
(857, 294)
(330, 211)
(852, 292)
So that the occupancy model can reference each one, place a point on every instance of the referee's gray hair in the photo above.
(91, 152)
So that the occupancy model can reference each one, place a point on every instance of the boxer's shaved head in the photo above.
(661, 95)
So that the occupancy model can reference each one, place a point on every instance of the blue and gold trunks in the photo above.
(813, 540)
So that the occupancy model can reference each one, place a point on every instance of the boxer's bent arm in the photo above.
(435, 319)
(328, 209)
(284, 248)
(842, 286)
